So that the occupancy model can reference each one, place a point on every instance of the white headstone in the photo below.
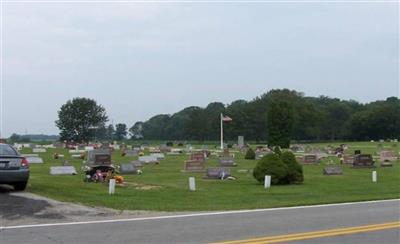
(267, 183)
(192, 184)
(111, 187)
(374, 176)
(241, 141)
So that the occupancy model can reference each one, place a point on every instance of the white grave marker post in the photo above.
(374, 176)
(192, 184)
(267, 182)
(111, 187)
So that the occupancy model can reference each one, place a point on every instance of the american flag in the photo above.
(226, 118)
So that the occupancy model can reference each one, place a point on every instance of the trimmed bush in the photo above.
(277, 150)
(250, 154)
(272, 165)
(295, 170)
(169, 144)
(180, 144)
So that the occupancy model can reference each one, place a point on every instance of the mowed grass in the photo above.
(164, 187)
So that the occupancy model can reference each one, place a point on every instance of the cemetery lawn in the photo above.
(164, 187)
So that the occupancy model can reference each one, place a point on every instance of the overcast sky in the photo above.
(139, 60)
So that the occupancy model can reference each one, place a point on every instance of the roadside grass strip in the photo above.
(317, 234)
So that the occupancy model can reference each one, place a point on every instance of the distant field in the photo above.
(164, 188)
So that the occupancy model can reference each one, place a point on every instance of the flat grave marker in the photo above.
(34, 160)
(128, 169)
(227, 162)
(39, 150)
(333, 170)
(148, 159)
(63, 170)
(158, 156)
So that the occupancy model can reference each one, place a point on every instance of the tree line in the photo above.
(305, 118)
(281, 115)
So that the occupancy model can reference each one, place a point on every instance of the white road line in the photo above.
(192, 215)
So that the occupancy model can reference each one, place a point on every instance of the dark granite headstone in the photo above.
(363, 161)
(356, 152)
(102, 159)
(217, 173)
(333, 170)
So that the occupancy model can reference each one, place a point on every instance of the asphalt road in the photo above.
(217, 227)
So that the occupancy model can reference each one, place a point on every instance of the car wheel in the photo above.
(20, 186)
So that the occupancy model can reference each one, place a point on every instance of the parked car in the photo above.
(14, 169)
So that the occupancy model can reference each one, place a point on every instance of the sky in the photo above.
(143, 59)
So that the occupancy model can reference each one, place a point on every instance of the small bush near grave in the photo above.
(295, 170)
(272, 165)
(250, 154)
(277, 150)
(230, 145)
(180, 144)
(169, 144)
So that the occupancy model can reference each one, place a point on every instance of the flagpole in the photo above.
(222, 132)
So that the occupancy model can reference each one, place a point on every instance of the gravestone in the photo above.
(348, 159)
(310, 159)
(158, 156)
(39, 150)
(76, 156)
(99, 157)
(137, 164)
(363, 161)
(241, 141)
(165, 149)
(63, 170)
(34, 160)
(217, 173)
(131, 153)
(128, 169)
(227, 162)
(356, 152)
(387, 156)
(198, 156)
(148, 160)
(88, 148)
(194, 166)
(386, 164)
(333, 170)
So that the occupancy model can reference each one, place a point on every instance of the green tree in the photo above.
(78, 117)
(136, 131)
(279, 124)
(110, 132)
(120, 131)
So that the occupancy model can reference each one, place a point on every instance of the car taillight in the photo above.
(24, 163)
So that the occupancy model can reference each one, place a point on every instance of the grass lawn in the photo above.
(165, 188)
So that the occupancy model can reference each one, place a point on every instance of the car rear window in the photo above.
(6, 150)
